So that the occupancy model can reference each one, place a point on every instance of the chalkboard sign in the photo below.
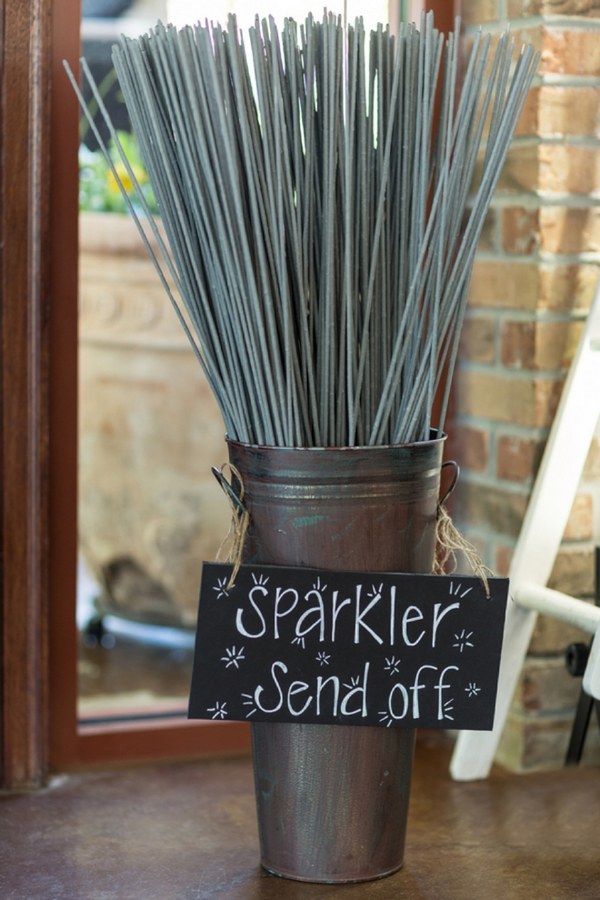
(305, 645)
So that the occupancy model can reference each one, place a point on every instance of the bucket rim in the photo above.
(436, 437)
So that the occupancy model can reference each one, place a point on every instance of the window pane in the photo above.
(149, 429)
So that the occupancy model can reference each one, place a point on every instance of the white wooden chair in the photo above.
(539, 540)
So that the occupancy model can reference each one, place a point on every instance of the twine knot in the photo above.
(450, 542)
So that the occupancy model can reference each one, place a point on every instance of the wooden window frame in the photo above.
(38, 444)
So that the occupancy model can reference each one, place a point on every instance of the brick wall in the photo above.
(533, 282)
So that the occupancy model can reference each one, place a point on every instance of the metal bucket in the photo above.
(332, 800)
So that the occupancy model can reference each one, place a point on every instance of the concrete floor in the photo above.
(183, 831)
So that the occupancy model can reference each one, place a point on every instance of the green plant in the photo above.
(99, 190)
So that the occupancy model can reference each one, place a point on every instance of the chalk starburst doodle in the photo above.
(385, 718)
(219, 710)
(456, 590)
(249, 701)
(221, 588)
(317, 586)
(392, 665)
(472, 689)
(448, 710)
(260, 580)
(323, 658)
(463, 640)
(233, 657)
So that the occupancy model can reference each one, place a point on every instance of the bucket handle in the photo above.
(453, 482)
(240, 517)
(450, 540)
(227, 486)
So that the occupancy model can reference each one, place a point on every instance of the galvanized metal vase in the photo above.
(332, 800)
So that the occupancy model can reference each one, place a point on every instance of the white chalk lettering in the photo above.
(278, 614)
(336, 610)
(359, 690)
(438, 615)
(440, 687)
(239, 624)
(364, 617)
(315, 617)
(259, 690)
(392, 613)
(359, 616)
(326, 703)
(297, 687)
(390, 649)
(394, 714)
(321, 683)
(416, 687)
(411, 614)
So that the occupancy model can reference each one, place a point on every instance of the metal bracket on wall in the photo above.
(541, 534)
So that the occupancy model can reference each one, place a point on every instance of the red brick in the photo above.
(488, 239)
(580, 525)
(471, 448)
(570, 230)
(562, 111)
(552, 167)
(520, 230)
(568, 169)
(521, 168)
(567, 288)
(557, 344)
(551, 635)
(547, 395)
(490, 507)
(522, 401)
(546, 686)
(528, 124)
(478, 340)
(571, 51)
(518, 458)
(573, 571)
(504, 284)
(539, 345)
(518, 345)
(504, 555)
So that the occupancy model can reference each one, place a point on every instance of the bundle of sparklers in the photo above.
(322, 192)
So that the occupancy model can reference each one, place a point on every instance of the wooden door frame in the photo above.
(38, 403)
(39, 123)
(24, 280)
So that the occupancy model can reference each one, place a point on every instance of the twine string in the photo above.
(450, 542)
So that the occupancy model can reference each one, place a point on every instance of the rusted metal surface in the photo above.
(332, 800)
